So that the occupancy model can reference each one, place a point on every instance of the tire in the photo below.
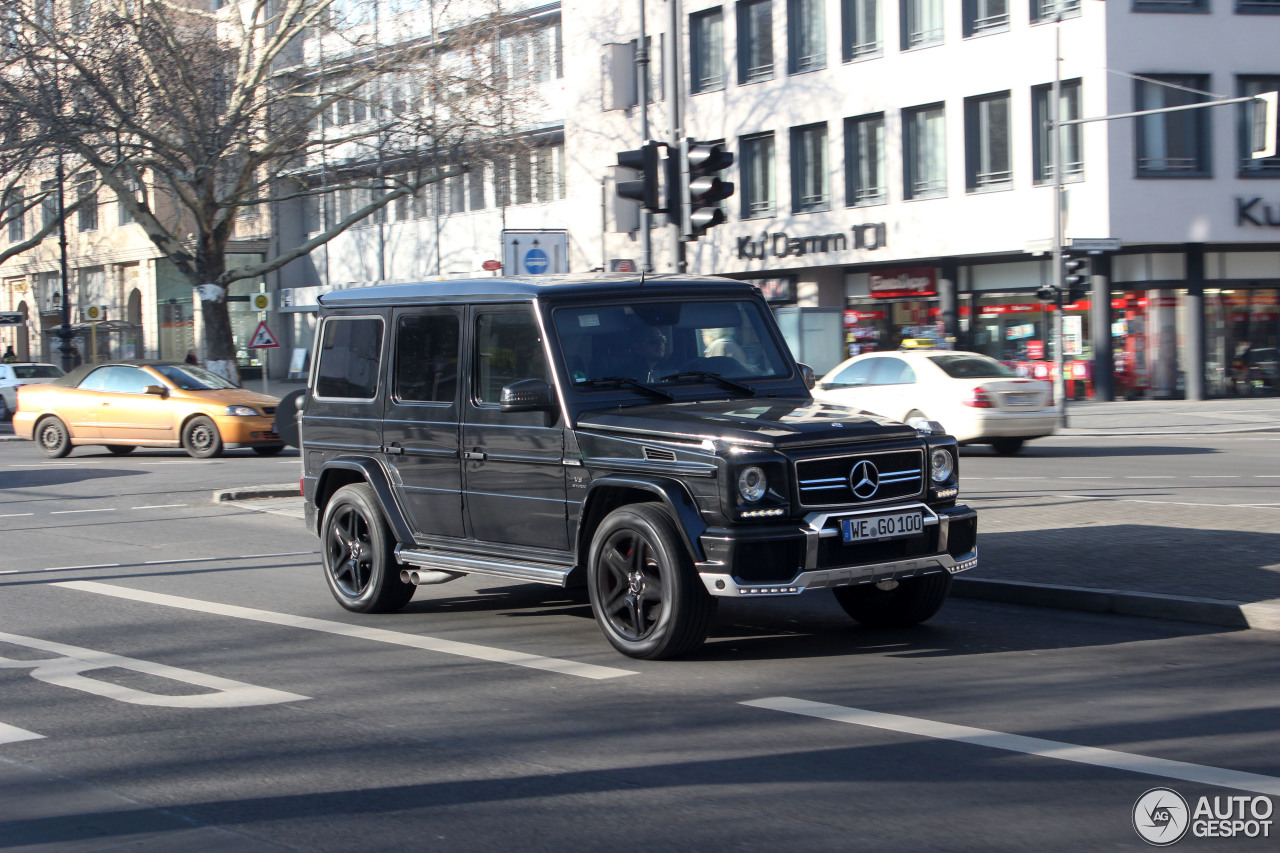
(53, 438)
(358, 554)
(121, 449)
(269, 450)
(201, 439)
(1007, 446)
(5, 413)
(645, 593)
(911, 602)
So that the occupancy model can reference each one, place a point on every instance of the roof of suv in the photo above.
(526, 287)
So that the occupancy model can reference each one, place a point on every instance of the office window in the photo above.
(548, 166)
(759, 196)
(706, 51)
(860, 29)
(1048, 10)
(755, 41)
(921, 22)
(806, 35)
(49, 207)
(986, 143)
(1171, 5)
(535, 55)
(14, 200)
(475, 187)
(87, 197)
(810, 180)
(123, 216)
(1258, 7)
(1172, 145)
(985, 16)
(1072, 152)
(925, 157)
(522, 178)
(1247, 113)
(864, 170)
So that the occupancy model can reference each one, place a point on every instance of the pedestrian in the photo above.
(9, 355)
(191, 358)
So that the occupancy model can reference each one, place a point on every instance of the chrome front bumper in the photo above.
(823, 525)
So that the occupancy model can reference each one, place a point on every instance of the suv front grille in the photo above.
(887, 475)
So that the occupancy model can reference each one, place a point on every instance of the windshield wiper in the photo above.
(714, 377)
(627, 381)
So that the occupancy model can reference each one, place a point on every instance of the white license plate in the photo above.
(1020, 399)
(882, 526)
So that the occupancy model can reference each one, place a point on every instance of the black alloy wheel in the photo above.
(201, 439)
(645, 592)
(911, 602)
(53, 438)
(121, 449)
(359, 554)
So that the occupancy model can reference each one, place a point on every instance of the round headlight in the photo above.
(941, 466)
(752, 484)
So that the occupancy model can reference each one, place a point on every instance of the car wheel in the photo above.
(201, 439)
(1007, 446)
(268, 451)
(911, 602)
(52, 436)
(121, 449)
(645, 593)
(358, 553)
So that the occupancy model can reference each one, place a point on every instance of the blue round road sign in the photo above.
(536, 261)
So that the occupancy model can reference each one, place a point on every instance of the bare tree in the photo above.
(196, 118)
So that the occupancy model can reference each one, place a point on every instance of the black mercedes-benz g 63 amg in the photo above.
(652, 439)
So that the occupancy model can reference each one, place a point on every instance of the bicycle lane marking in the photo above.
(342, 629)
(1126, 761)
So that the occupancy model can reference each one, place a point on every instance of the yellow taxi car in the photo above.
(124, 405)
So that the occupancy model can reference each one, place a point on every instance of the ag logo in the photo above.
(1161, 817)
(864, 479)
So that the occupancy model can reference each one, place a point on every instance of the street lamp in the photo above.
(64, 332)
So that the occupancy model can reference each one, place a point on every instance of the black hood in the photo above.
(775, 422)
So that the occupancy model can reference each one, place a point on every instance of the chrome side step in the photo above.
(459, 564)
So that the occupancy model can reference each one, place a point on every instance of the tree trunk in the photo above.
(219, 344)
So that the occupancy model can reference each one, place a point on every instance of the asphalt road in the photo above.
(175, 676)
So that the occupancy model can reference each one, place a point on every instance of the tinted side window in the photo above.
(95, 381)
(858, 373)
(508, 349)
(350, 350)
(892, 371)
(427, 358)
(127, 380)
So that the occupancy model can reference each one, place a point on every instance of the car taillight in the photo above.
(978, 398)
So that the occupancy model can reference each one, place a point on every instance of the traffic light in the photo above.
(1047, 293)
(644, 189)
(1074, 278)
(701, 188)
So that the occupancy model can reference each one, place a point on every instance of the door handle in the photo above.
(473, 454)
(393, 449)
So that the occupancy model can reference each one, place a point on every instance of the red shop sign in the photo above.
(906, 281)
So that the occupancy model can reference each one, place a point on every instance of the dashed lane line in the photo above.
(342, 629)
(1126, 761)
(158, 506)
(74, 511)
(157, 562)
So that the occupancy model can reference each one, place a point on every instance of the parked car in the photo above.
(125, 405)
(651, 439)
(975, 398)
(14, 375)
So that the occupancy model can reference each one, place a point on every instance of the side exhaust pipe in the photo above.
(423, 577)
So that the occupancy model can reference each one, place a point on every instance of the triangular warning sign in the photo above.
(262, 337)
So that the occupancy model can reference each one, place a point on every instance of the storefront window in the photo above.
(1242, 333)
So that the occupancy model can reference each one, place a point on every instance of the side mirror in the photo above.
(806, 373)
(527, 395)
(158, 390)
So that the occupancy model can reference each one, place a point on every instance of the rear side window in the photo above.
(963, 366)
(37, 371)
(350, 356)
(427, 358)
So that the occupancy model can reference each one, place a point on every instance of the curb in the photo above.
(248, 493)
(1207, 611)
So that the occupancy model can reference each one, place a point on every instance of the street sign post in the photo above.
(263, 339)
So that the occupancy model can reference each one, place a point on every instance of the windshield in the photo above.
(971, 366)
(191, 378)
(36, 371)
(667, 343)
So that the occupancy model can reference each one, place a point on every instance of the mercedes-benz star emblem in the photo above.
(864, 479)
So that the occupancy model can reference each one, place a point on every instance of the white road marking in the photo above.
(1214, 477)
(73, 511)
(1084, 478)
(342, 629)
(13, 734)
(157, 506)
(158, 562)
(73, 568)
(16, 514)
(1151, 477)
(1125, 761)
(65, 671)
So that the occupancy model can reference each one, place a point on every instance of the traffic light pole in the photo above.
(675, 87)
(642, 78)
(1055, 160)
